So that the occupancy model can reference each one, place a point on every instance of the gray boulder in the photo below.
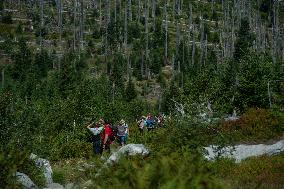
(242, 151)
(54, 186)
(25, 180)
(129, 150)
(45, 166)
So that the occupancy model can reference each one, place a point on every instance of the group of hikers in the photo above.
(104, 133)
(150, 122)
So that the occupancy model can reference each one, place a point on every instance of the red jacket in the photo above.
(107, 131)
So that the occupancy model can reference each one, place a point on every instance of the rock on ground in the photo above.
(54, 186)
(45, 166)
(25, 180)
(130, 150)
(241, 152)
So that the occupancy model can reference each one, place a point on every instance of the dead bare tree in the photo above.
(130, 10)
(193, 50)
(146, 27)
(201, 42)
(166, 31)
(139, 11)
(3, 78)
(125, 28)
(153, 13)
(81, 33)
(41, 21)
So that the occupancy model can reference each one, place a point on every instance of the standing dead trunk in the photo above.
(3, 78)
(130, 10)
(142, 65)
(146, 27)
(60, 19)
(205, 49)
(173, 62)
(41, 21)
(125, 28)
(138, 11)
(212, 7)
(74, 26)
(177, 39)
(154, 13)
(82, 23)
(115, 10)
(166, 32)
(201, 43)
(193, 50)
(100, 10)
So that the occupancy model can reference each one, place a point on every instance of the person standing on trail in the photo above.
(122, 132)
(141, 124)
(150, 122)
(160, 119)
(96, 131)
(106, 136)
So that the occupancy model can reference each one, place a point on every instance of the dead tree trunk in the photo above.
(166, 32)
(193, 50)
(146, 27)
(41, 21)
(130, 10)
(82, 23)
(138, 11)
(100, 10)
(3, 78)
(154, 13)
(74, 26)
(125, 28)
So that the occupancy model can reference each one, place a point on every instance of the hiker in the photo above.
(106, 136)
(150, 122)
(96, 131)
(122, 132)
(141, 124)
(160, 119)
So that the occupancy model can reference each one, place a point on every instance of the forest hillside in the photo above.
(213, 68)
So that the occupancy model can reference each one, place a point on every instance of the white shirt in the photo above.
(96, 130)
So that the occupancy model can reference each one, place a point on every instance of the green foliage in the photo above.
(130, 92)
(244, 41)
(7, 18)
(23, 61)
(254, 125)
(58, 176)
(8, 163)
(29, 168)
(251, 84)
(179, 170)
(48, 99)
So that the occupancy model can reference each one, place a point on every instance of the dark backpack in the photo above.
(113, 132)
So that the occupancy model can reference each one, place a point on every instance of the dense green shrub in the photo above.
(9, 161)
(7, 18)
(256, 172)
(176, 170)
(255, 124)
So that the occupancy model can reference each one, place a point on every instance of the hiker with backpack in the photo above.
(122, 132)
(141, 123)
(160, 119)
(107, 136)
(150, 122)
(96, 130)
